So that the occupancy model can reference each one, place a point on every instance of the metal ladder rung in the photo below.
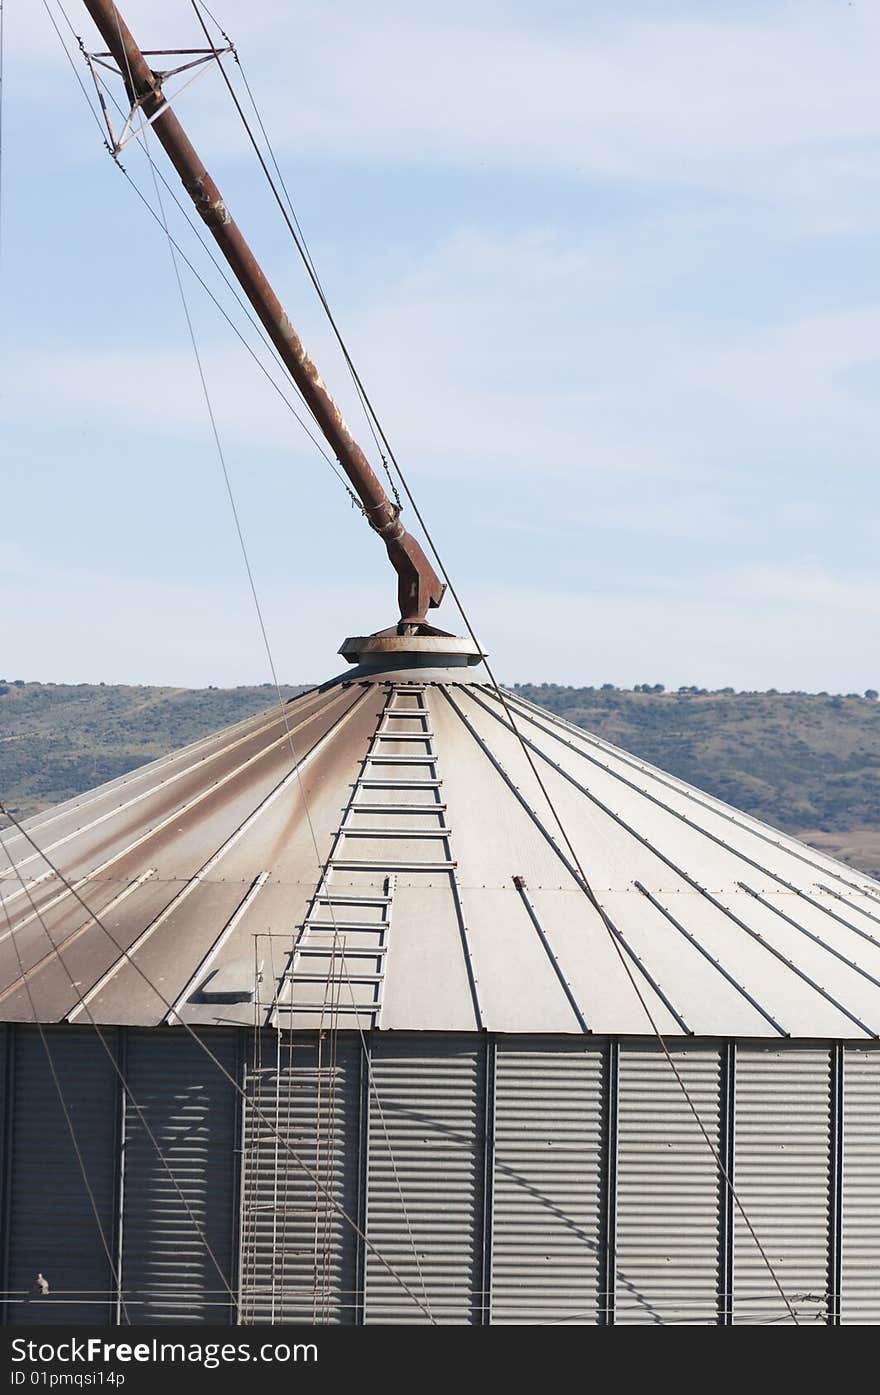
(361, 947)
(400, 784)
(295, 976)
(393, 759)
(350, 832)
(351, 951)
(349, 1008)
(324, 928)
(304, 1079)
(346, 925)
(404, 735)
(349, 900)
(397, 808)
(368, 864)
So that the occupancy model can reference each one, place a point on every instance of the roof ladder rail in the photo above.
(327, 938)
(352, 993)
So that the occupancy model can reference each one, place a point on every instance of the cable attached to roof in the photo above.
(262, 627)
(379, 433)
(293, 226)
(282, 706)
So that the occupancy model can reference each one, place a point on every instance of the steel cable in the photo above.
(585, 884)
(72, 889)
(250, 576)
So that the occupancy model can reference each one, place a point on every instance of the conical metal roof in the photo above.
(383, 857)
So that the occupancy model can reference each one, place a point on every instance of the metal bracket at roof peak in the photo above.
(205, 56)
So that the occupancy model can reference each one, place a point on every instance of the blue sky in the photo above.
(609, 271)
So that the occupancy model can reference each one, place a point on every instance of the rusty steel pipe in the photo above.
(419, 587)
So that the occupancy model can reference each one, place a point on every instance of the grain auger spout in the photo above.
(419, 587)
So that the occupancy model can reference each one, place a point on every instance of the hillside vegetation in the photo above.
(58, 739)
(808, 763)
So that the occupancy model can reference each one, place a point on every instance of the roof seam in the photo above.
(718, 807)
(679, 871)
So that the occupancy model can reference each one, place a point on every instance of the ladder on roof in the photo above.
(394, 822)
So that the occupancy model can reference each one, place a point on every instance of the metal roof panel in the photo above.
(442, 894)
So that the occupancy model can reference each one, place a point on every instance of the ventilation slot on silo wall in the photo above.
(547, 1182)
(53, 1228)
(300, 1162)
(783, 1153)
(861, 1186)
(173, 1214)
(425, 1179)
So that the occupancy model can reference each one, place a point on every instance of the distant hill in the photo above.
(807, 762)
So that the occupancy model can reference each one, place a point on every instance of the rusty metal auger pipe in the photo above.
(419, 588)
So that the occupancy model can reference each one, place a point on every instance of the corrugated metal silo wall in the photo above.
(178, 1177)
(860, 1258)
(669, 1197)
(508, 1179)
(548, 1175)
(783, 1177)
(58, 1226)
(154, 1122)
(425, 1186)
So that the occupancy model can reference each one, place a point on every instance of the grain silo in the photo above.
(409, 1002)
(363, 910)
